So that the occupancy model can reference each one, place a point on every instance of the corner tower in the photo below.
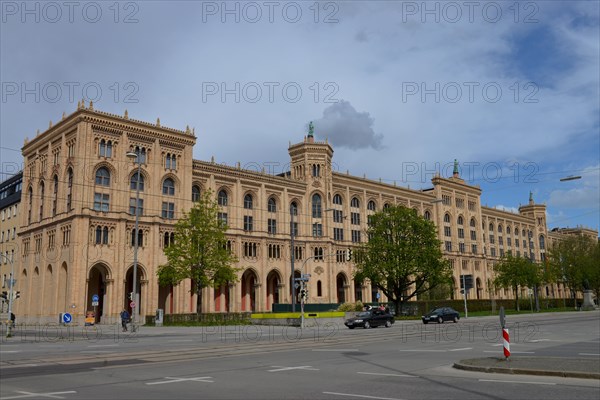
(311, 161)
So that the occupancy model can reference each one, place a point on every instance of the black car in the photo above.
(371, 318)
(441, 314)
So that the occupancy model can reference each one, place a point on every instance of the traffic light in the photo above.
(4, 295)
(130, 296)
(17, 294)
(349, 255)
(303, 294)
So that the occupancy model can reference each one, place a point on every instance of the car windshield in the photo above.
(437, 311)
(364, 314)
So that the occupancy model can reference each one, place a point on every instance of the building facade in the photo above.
(79, 202)
(10, 199)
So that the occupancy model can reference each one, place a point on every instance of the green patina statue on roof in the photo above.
(311, 129)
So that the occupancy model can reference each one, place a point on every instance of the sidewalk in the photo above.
(546, 366)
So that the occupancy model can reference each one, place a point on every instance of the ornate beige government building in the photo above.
(76, 233)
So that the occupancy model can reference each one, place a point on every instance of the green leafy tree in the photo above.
(575, 260)
(514, 272)
(199, 252)
(403, 257)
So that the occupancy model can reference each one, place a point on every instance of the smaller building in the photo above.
(10, 202)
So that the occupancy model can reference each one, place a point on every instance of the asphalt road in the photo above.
(407, 361)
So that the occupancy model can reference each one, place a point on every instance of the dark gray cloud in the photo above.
(343, 126)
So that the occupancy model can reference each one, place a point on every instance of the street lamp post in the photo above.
(134, 156)
(11, 293)
(292, 233)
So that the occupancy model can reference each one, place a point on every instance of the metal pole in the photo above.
(136, 244)
(465, 295)
(11, 293)
(302, 306)
(292, 259)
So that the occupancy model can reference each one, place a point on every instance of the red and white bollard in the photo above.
(506, 342)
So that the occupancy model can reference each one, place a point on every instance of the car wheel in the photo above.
(367, 325)
(455, 320)
(351, 327)
(388, 323)
(425, 322)
(440, 320)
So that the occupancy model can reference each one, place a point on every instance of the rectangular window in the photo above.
(222, 217)
(317, 230)
(473, 235)
(461, 233)
(355, 236)
(247, 223)
(500, 240)
(493, 251)
(101, 202)
(447, 231)
(492, 239)
(448, 245)
(501, 252)
(295, 229)
(338, 234)
(474, 248)
(132, 207)
(461, 247)
(272, 226)
(355, 218)
(508, 241)
(338, 216)
(168, 210)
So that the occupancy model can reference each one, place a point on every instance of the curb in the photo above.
(524, 371)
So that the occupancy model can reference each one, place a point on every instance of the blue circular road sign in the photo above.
(95, 298)
(67, 318)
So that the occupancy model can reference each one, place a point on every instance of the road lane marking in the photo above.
(177, 380)
(361, 396)
(424, 350)
(512, 352)
(528, 382)
(538, 340)
(280, 368)
(334, 349)
(180, 340)
(97, 351)
(464, 348)
(589, 354)
(399, 375)
(53, 395)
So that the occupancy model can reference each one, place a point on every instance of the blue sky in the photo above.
(400, 89)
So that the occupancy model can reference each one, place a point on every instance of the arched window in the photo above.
(355, 202)
(42, 187)
(102, 177)
(140, 237)
(491, 227)
(133, 182)
(105, 149)
(141, 154)
(316, 206)
(222, 197)
(523, 233)
(272, 205)
(316, 170)
(248, 201)
(294, 208)
(386, 206)
(30, 201)
(472, 222)
(169, 187)
(499, 228)
(195, 193)
(427, 215)
(447, 218)
(55, 196)
(337, 199)
(371, 205)
(542, 242)
(460, 220)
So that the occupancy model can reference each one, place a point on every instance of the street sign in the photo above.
(296, 285)
(378, 295)
(66, 318)
(502, 318)
(95, 304)
(95, 299)
(132, 304)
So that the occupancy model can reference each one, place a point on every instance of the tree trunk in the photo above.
(517, 298)
(199, 299)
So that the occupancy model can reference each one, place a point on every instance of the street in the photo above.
(407, 361)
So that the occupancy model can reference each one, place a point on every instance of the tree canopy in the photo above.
(403, 257)
(516, 271)
(575, 260)
(199, 252)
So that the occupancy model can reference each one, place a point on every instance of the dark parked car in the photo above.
(441, 314)
(371, 318)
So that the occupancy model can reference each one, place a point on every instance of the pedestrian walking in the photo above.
(124, 319)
